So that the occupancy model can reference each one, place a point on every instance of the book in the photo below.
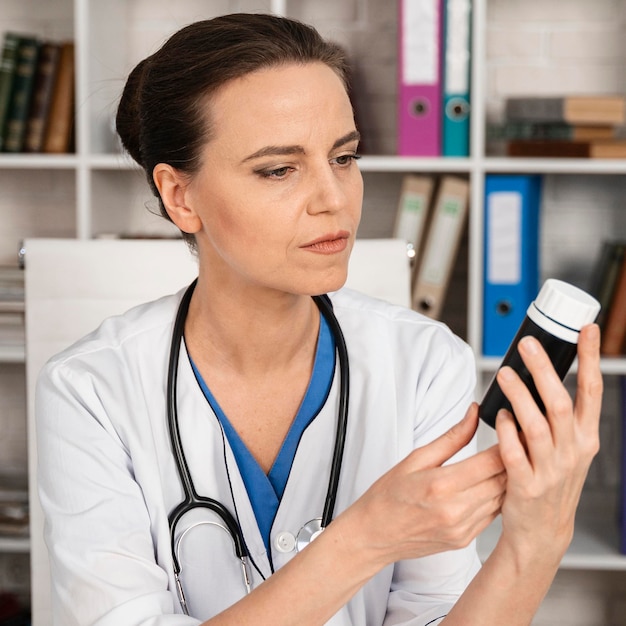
(59, 129)
(412, 213)
(432, 276)
(604, 276)
(598, 149)
(622, 488)
(600, 109)
(45, 76)
(7, 73)
(614, 332)
(546, 131)
(420, 71)
(22, 88)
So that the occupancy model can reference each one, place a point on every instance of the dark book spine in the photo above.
(42, 96)
(7, 73)
(26, 65)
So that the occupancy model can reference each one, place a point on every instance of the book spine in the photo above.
(7, 73)
(61, 116)
(42, 96)
(535, 109)
(622, 494)
(539, 130)
(23, 81)
(615, 327)
(547, 149)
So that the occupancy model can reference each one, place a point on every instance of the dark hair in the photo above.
(160, 118)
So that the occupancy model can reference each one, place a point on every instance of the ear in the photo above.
(172, 185)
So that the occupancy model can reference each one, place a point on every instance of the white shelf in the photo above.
(39, 161)
(595, 546)
(554, 166)
(373, 163)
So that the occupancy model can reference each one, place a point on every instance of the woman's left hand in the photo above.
(547, 462)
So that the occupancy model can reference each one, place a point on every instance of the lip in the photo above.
(328, 244)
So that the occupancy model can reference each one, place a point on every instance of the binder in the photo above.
(420, 70)
(412, 213)
(432, 276)
(511, 261)
(456, 78)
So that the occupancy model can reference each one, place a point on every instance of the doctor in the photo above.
(245, 131)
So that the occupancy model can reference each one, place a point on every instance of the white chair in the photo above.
(72, 285)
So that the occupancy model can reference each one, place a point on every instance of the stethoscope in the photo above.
(191, 498)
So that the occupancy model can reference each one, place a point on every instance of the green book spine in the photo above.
(19, 105)
(41, 97)
(7, 72)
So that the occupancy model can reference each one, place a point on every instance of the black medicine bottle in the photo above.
(555, 319)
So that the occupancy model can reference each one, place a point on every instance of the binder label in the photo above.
(504, 238)
(441, 239)
(420, 28)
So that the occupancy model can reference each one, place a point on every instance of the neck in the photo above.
(252, 334)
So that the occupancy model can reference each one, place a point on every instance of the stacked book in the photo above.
(565, 126)
(36, 95)
(14, 516)
(12, 333)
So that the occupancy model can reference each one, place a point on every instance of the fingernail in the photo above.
(529, 345)
(506, 373)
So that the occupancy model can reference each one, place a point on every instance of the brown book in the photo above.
(592, 149)
(614, 334)
(600, 109)
(61, 115)
(41, 99)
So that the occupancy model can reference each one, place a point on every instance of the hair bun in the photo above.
(128, 120)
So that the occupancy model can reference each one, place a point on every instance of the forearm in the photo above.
(507, 590)
(310, 589)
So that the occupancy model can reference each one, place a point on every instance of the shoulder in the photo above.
(121, 336)
(381, 323)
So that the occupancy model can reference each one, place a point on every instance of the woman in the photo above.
(246, 133)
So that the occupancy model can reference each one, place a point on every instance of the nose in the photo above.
(328, 191)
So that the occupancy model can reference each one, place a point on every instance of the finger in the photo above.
(512, 450)
(479, 468)
(532, 422)
(447, 445)
(589, 380)
(555, 397)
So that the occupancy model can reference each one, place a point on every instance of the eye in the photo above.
(279, 172)
(346, 159)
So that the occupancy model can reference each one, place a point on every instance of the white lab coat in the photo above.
(107, 476)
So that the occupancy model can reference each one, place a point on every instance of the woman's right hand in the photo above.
(426, 507)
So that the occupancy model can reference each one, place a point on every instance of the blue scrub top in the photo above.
(266, 490)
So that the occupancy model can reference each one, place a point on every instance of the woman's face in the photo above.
(279, 193)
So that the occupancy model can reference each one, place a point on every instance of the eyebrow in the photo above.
(353, 135)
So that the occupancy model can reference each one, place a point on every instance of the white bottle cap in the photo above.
(562, 309)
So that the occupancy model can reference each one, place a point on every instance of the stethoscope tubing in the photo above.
(191, 499)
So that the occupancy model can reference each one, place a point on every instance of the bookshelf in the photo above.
(96, 190)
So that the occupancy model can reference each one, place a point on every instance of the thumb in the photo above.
(438, 451)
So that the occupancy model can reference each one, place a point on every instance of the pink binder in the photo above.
(420, 72)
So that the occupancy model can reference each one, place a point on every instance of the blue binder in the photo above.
(511, 256)
(456, 78)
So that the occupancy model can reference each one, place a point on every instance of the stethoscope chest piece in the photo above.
(309, 532)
